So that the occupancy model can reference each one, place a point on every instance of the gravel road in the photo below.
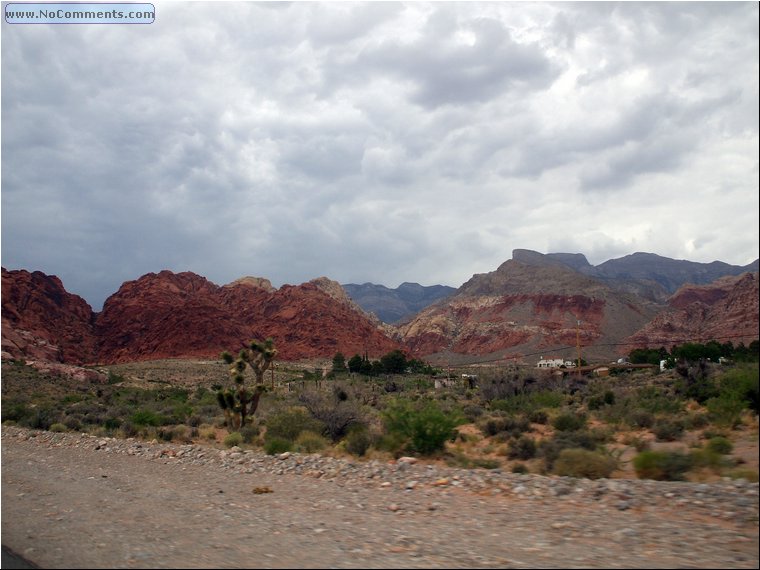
(78, 501)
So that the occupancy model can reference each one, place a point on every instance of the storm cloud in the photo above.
(378, 142)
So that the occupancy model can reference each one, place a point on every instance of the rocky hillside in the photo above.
(724, 310)
(41, 320)
(394, 305)
(528, 306)
(182, 315)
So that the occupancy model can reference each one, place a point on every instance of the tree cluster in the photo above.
(394, 362)
(694, 351)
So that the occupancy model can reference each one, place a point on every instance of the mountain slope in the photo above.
(164, 315)
(726, 309)
(41, 320)
(394, 305)
(526, 307)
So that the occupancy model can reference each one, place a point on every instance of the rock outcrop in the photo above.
(171, 315)
(166, 315)
(525, 308)
(724, 310)
(41, 320)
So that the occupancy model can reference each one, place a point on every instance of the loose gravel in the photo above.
(77, 500)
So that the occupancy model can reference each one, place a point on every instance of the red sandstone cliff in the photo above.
(170, 315)
(526, 308)
(724, 310)
(164, 315)
(41, 320)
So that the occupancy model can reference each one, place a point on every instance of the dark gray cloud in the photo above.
(381, 142)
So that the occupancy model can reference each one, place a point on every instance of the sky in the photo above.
(378, 142)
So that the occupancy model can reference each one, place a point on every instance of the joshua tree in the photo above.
(237, 403)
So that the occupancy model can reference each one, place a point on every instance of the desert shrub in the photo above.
(638, 443)
(275, 445)
(639, 418)
(146, 418)
(741, 383)
(696, 421)
(529, 402)
(550, 449)
(425, 426)
(662, 465)
(290, 423)
(41, 418)
(520, 468)
(522, 448)
(250, 432)
(569, 421)
(73, 423)
(744, 473)
(584, 463)
(358, 441)
(335, 411)
(726, 410)
(538, 417)
(128, 429)
(472, 412)
(707, 457)
(233, 439)
(720, 445)
(668, 430)
(503, 423)
(656, 401)
(600, 400)
(310, 442)
(58, 428)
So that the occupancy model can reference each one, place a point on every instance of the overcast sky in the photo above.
(377, 141)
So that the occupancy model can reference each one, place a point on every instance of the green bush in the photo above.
(550, 449)
(725, 410)
(520, 468)
(667, 430)
(290, 423)
(639, 418)
(233, 439)
(584, 463)
(522, 448)
(58, 428)
(425, 426)
(569, 421)
(310, 442)
(275, 445)
(720, 445)
(250, 432)
(538, 417)
(358, 441)
(146, 418)
(662, 465)
(741, 383)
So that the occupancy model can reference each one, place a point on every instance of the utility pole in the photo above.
(578, 343)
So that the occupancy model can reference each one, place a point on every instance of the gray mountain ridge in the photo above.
(648, 275)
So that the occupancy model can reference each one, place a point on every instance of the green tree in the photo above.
(355, 364)
(237, 402)
(339, 363)
(394, 362)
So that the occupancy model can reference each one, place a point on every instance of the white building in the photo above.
(555, 363)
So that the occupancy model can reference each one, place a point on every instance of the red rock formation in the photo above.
(526, 308)
(171, 315)
(166, 315)
(724, 310)
(41, 320)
